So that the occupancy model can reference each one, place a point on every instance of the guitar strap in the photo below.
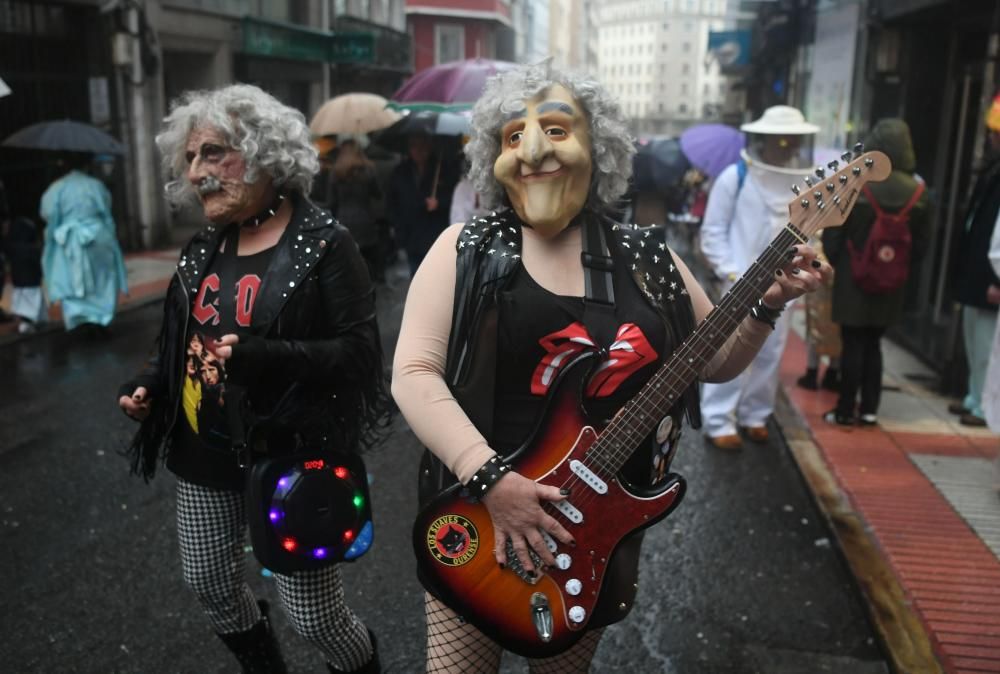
(599, 286)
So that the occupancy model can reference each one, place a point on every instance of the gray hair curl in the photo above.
(611, 146)
(271, 136)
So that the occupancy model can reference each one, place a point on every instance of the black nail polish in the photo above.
(564, 491)
(816, 264)
(778, 273)
(795, 270)
(573, 543)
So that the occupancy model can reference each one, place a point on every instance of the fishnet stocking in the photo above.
(456, 647)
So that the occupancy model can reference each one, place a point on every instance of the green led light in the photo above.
(358, 500)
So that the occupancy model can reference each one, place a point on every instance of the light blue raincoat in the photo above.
(82, 261)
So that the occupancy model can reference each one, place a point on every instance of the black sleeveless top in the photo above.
(540, 332)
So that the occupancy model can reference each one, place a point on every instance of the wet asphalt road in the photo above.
(741, 578)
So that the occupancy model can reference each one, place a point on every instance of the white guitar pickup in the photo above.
(567, 509)
(588, 476)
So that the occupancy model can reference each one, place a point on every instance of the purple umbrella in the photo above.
(448, 87)
(712, 147)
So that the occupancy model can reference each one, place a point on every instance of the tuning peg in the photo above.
(829, 187)
(820, 171)
(843, 179)
(846, 156)
(817, 195)
(869, 162)
(808, 181)
(795, 189)
(833, 165)
(805, 203)
(856, 170)
(858, 149)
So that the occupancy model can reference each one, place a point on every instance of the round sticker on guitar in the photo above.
(452, 540)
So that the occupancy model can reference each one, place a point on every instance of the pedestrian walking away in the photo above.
(499, 321)
(273, 297)
(82, 263)
(747, 206)
(974, 275)
(865, 312)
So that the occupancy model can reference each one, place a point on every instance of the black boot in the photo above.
(257, 648)
(808, 380)
(370, 667)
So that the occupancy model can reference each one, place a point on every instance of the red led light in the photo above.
(289, 544)
(340, 472)
(348, 535)
(314, 465)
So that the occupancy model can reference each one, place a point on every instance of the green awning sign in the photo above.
(282, 40)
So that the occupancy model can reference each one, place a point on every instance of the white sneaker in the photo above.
(868, 420)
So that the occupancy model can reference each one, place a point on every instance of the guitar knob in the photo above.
(577, 614)
(573, 587)
(563, 561)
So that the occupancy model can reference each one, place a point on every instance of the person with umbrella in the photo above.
(747, 206)
(504, 302)
(274, 297)
(419, 200)
(82, 263)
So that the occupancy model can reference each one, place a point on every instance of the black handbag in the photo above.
(306, 509)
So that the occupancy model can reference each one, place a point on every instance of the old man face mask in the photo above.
(544, 161)
(216, 171)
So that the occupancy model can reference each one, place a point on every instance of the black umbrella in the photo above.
(659, 165)
(65, 135)
(442, 125)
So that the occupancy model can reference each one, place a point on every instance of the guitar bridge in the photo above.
(514, 564)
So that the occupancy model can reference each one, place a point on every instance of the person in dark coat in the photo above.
(864, 317)
(974, 275)
(420, 192)
(24, 251)
(354, 193)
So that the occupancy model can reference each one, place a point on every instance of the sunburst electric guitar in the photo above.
(545, 614)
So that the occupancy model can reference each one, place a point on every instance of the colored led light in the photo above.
(358, 500)
(348, 535)
(340, 472)
(289, 544)
(275, 515)
(282, 483)
(319, 553)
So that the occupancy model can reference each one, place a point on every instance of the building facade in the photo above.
(454, 30)
(652, 55)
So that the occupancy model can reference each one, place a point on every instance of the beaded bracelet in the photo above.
(765, 314)
(487, 476)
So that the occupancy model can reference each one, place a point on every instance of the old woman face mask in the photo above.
(545, 162)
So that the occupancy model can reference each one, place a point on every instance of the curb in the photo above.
(904, 637)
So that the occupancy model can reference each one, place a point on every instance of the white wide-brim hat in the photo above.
(780, 120)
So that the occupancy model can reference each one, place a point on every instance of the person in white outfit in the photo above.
(747, 207)
(991, 390)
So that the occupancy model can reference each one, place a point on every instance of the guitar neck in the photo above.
(641, 414)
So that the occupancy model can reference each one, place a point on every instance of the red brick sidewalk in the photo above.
(948, 575)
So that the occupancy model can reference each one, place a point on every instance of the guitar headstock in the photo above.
(827, 200)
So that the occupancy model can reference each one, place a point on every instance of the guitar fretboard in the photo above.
(641, 414)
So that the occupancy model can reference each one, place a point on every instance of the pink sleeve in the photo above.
(418, 383)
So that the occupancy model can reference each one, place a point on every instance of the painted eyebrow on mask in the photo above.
(555, 105)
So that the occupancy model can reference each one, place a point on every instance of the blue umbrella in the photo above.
(712, 147)
(66, 136)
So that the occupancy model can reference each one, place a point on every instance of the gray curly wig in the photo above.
(611, 146)
(271, 136)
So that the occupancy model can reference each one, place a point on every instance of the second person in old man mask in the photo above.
(498, 309)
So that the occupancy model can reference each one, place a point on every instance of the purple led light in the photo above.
(319, 553)
(282, 483)
(274, 515)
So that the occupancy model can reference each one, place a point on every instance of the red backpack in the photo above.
(883, 263)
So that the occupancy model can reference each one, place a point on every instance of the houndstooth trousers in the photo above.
(211, 528)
